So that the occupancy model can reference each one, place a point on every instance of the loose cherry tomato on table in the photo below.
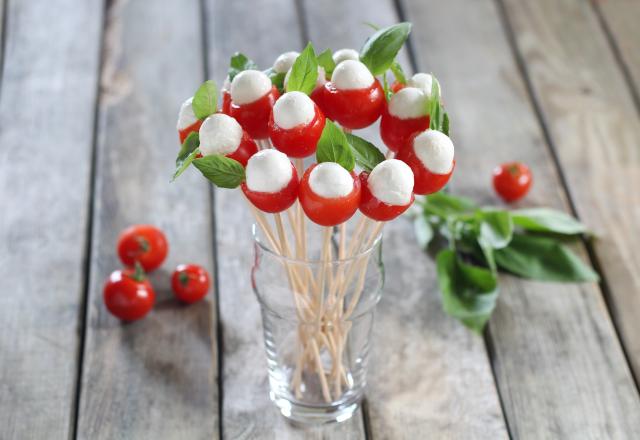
(404, 116)
(145, 244)
(512, 180)
(190, 283)
(128, 294)
(252, 98)
(327, 209)
(271, 183)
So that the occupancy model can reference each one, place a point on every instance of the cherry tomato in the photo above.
(274, 202)
(245, 150)
(226, 102)
(128, 295)
(254, 117)
(353, 109)
(299, 141)
(325, 211)
(145, 244)
(188, 130)
(396, 132)
(425, 182)
(512, 180)
(397, 86)
(317, 96)
(376, 209)
(190, 283)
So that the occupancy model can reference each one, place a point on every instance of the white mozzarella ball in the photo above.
(268, 171)
(249, 86)
(186, 117)
(320, 81)
(352, 75)
(345, 54)
(219, 134)
(421, 81)
(330, 180)
(408, 103)
(284, 62)
(435, 151)
(391, 182)
(293, 109)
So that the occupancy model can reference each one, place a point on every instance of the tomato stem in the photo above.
(139, 274)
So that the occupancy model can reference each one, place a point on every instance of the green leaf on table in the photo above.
(325, 60)
(547, 220)
(543, 258)
(277, 78)
(468, 292)
(221, 171)
(334, 147)
(239, 62)
(205, 100)
(398, 73)
(380, 50)
(445, 205)
(186, 154)
(366, 154)
(423, 231)
(496, 228)
(304, 72)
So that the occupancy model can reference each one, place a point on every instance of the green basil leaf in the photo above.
(380, 50)
(445, 205)
(190, 143)
(325, 60)
(423, 231)
(385, 88)
(543, 258)
(334, 147)
(445, 123)
(496, 228)
(366, 154)
(304, 72)
(547, 220)
(398, 73)
(469, 293)
(435, 107)
(205, 100)
(240, 62)
(221, 171)
(277, 79)
(182, 165)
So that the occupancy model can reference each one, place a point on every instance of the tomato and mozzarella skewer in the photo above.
(405, 115)
(187, 120)
(226, 96)
(271, 183)
(430, 155)
(422, 81)
(296, 125)
(329, 194)
(252, 97)
(387, 191)
(353, 97)
(318, 92)
(345, 54)
(283, 63)
(222, 135)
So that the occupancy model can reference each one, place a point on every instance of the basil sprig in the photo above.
(240, 62)
(380, 50)
(473, 244)
(205, 100)
(438, 118)
(325, 60)
(187, 154)
(334, 147)
(367, 156)
(221, 171)
(304, 72)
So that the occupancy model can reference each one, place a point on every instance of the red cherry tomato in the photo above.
(188, 130)
(325, 211)
(145, 244)
(317, 96)
(397, 86)
(376, 209)
(300, 141)
(512, 180)
(245, 150)
(226, 102)
(397, 133)
(254, 117)
(354, 109)
(190, 283)
(128, 295)
(274, 202)
(425, 182)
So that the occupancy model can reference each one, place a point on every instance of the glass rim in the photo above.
(268, 250)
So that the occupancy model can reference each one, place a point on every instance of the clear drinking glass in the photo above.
(317, 317)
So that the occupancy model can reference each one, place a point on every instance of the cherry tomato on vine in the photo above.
(512, 180)
(145, 244)
(128, 294)
(190, 283)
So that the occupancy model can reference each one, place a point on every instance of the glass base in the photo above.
(316, 414)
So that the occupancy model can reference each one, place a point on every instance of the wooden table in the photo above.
(88, 100)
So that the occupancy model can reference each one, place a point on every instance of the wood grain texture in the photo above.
(155, 378)
(559, 366)
(429, 377)
(47, 110)
(270, 28)
(595, 129)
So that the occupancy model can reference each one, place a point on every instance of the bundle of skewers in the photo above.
(307, 106)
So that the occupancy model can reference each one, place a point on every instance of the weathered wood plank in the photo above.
(156, 378)
(430, 378)
(47, 110)
(559, 366)
(268, 29)
(596, 132)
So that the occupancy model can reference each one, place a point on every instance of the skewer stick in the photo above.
(323, 380)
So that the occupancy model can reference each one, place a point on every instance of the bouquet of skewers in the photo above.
(263, 139)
